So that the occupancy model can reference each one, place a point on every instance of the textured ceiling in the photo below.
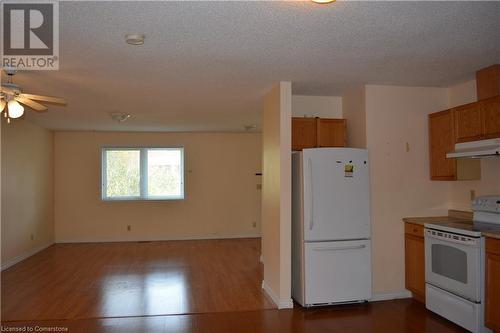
(206, 65)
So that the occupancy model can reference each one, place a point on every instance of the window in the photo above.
(142, 173)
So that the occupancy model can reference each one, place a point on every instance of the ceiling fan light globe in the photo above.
(16, 110)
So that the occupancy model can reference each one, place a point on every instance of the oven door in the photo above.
(452, 263)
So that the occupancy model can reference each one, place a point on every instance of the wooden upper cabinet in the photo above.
(488, 82)
(318, 132)
(441, 141)
(492, 319)
(490, 109)
(303, 133)
(468, 122)
(331, 132)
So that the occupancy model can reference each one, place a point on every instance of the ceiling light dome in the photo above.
(15, 109)
(323, 1)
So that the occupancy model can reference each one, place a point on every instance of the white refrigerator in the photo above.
(331, 247)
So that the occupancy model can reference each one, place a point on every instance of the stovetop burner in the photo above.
(469, 228)
(486, 219)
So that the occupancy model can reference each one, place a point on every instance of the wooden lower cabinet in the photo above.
(492, 309)
(415, 260)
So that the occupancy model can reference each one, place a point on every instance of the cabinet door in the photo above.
(441, 141)
(331, 132)
(415, 266)
(303, 133)
(468, 122)
(491, 117)
(492, 318)
(488, 82)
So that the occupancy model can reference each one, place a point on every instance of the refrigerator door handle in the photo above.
(311, 195)
(342, 248)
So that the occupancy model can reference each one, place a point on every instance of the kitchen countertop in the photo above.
(453, 216)
(432, 219)
(492, 234)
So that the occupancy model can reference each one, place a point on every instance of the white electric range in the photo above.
(454, 265)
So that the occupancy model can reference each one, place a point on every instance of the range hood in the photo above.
(476, 149)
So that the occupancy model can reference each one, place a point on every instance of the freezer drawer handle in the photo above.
(311, 197)
(358, 247)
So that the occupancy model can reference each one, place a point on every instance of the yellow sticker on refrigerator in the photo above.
(348, 170)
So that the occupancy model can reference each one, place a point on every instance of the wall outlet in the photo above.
(254, 224)
(407, 147)
(472, 195)
(129, 227)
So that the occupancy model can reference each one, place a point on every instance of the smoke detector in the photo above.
(119, 116)
(135, 39)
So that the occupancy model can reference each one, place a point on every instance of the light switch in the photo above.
(472, 195)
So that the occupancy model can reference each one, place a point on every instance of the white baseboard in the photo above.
(280, 303)
(24, 256)
(389, 296)
(152, 239)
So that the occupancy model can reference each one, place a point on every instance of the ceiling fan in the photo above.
(11, 98)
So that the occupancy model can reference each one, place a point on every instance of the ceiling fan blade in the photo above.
(49, 99)
(7, 90)
(2, 105)
(32, 104)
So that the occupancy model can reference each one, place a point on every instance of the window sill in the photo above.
(143, 200)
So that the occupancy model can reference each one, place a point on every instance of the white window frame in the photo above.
(143, 175)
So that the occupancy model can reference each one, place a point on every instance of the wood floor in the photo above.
(401, 316)
(185, 286)
(68, 281)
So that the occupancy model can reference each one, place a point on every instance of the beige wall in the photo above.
(490, 168)
(27, 190)
(222, 199)
(353, 109)
(392, 118)
(276, 193)
(400, 184)
(462, 93)
(317, 106)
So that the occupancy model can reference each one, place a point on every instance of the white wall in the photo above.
(400, 183)
(276, 193)
(27, 190)
(222, 199)
(317, 106)
(463, 93)
(354, 111)
(389, 118)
